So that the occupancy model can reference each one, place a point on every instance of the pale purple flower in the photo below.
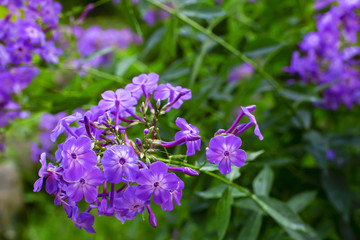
(63, 125)
(224, 150)
(120, 160)
(84, 220)
(143, 84)
(77, 157)
(175, 95)
(175, 196)
(50, 172)
(120, 98)
(156, 182)
(188, 130)
(86, 186)
(128, 205)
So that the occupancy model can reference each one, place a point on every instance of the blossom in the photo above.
(224, 150)
(86, 185)
(63, 125)
(120, 98)
(83, 220)
(175, 196)
(143, 84)
(120, 160)
(156, 182)
(77, 157)
(188, 130)
(175, 95)
(51, 173)
(128, 205)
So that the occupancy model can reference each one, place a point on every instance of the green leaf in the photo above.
(247, 203)
(215, 192)
(207, 45)
(203, 11)
(123, 66)
(298, 97)
(98, 53)
(131, 17)
(251, 156)
(286, 217)
(305, 117)
(318, 147)
(234, 174)
(223, 213)
(209, 167)
(300, 201)
(153, 40)
(251, 229)
(263, 182)
(337, 190)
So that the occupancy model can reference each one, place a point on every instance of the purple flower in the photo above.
(50, 172)
(83, 220)
(77, 157)
(224, 150)
(31, 33)
(63, 125)
(120, 160)
(121, 99)
(188, 130)
(143, 84)
(175, 95)
(86, 186)
(20, 52)
(50, 12)
(175, 196)
(157, 182)
(129, 205)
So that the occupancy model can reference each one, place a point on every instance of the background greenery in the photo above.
(288, 170)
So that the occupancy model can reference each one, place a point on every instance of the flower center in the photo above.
(226, 153)
(73, 155)
(136, 206)
(122, 161)
(156, 184)
(82, 181)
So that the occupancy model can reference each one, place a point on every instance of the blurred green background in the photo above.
(291, 165)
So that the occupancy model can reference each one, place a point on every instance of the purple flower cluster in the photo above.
(24, 32)
(100, 164)
(224, 147)
(328, 56)
(95, 39)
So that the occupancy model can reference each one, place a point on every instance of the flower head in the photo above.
(224, 150)
(120, 160)
(77, 157)
(156, 182)
(187, 131)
